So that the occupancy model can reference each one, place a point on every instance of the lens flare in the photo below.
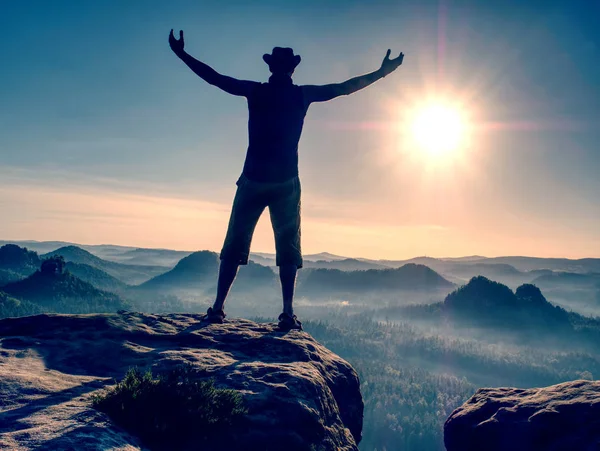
(438, 129)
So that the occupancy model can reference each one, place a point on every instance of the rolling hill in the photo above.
(196, 271)
(16, 263)
(410, 277)
(41, 247)
(64, 293)
(254, 277)
(18, 260)
(199, 271)
(524, 312)
(96, 277)
(129, 274)
(493, 312)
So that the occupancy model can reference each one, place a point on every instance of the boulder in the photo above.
(563, 417)
(299, 395)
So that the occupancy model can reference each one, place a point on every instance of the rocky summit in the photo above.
(299, 395)
(563, 417)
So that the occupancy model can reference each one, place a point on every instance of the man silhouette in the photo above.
(270, 174)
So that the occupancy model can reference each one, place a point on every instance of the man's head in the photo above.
(282, 60)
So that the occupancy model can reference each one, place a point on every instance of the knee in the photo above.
(288, 268)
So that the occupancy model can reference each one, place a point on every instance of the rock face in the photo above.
(561, 417)
(299, 395)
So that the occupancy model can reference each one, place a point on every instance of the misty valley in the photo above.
(423, 334)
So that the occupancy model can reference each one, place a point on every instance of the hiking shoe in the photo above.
(214, 316)
(289, 322)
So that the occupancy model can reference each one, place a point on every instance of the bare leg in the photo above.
(287, 276)
(227, 272)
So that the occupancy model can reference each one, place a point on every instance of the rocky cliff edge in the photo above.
(299, 395)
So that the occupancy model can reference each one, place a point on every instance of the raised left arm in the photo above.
(228, 84)
(323, 93)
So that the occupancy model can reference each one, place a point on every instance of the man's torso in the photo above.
(276, 117)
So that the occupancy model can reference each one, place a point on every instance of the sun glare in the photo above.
(438, 129)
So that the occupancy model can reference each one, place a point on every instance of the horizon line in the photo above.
(307, 254)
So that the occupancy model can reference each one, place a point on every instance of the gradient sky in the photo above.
(106, 137)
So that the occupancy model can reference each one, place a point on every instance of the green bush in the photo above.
(172, 410)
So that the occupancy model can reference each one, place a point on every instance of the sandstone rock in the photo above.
(300, 396)
(563, 417)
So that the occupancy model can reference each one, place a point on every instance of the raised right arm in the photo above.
(323, 93)
(228, 84)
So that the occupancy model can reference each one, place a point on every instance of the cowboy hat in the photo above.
(282, 58)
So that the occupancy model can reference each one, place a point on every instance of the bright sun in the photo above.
(438, 129)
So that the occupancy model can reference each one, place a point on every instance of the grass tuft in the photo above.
(170, 410)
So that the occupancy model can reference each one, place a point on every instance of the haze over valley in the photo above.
(423, 333)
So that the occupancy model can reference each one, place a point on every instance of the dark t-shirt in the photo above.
(277, 111)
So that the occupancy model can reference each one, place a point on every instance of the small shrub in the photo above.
(172, 409)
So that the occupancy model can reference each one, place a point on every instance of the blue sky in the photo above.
(98, 117)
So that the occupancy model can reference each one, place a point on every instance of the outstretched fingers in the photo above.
(398, 59)
(172, 36)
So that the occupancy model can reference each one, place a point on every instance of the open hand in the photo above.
(390, 65)
(176, 44)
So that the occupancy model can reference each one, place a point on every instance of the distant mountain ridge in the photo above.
(468, 258)
(489, 268)
(346, 264)
(323, 256)
(134, 266)
(44, 247)
(569, 279)
(521, 263)
(582, 265)
(157, 257)
(130, 274)
(407, 277)
(199, 271)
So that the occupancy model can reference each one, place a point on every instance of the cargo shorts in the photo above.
(251, 199)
